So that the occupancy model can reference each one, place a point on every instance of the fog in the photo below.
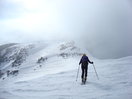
(104, 27)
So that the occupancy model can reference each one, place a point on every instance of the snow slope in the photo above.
(54, 77)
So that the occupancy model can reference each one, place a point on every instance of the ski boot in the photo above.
(83, 81)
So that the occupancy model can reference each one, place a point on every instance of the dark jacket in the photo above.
(85, 59)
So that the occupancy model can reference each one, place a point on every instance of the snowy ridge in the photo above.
(49, 72)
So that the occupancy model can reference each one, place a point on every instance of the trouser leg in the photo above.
(86, 69)
(82, 72)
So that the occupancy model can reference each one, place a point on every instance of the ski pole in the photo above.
(77, 72)
(96, 72)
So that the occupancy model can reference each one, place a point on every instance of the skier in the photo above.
(84, 65)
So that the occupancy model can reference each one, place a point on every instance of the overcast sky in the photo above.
(103, 26)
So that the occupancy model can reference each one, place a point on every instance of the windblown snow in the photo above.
(48, 71)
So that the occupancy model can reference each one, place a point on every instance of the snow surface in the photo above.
(56, 77)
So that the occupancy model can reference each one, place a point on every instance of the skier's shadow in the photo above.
(100, 86)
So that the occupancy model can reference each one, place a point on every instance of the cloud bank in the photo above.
(103, 27)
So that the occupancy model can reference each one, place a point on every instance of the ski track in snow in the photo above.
(56, 80)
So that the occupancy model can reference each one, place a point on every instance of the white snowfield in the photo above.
(54, 77)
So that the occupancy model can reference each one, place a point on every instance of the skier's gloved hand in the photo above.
(92, 62)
